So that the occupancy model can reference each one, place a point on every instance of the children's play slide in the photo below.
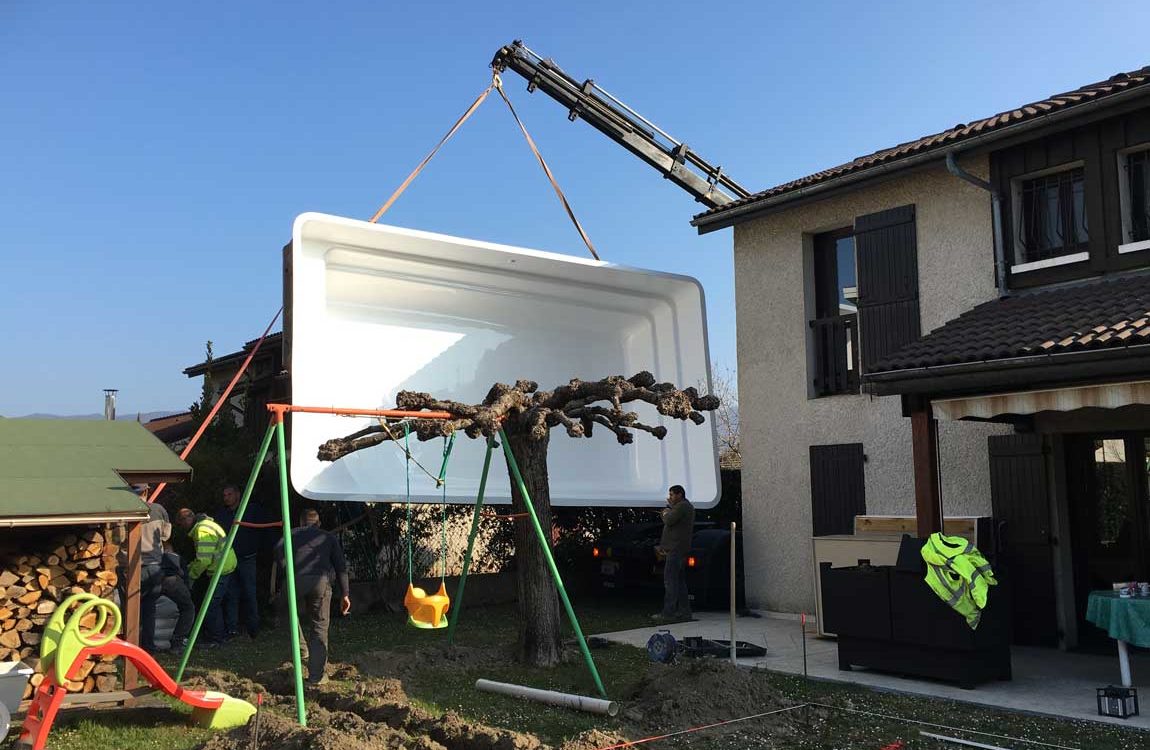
(90, 631)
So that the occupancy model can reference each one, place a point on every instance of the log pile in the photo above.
(33, 584)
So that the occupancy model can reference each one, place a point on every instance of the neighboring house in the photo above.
(1019, 244)
(174, 430)
(264, 382)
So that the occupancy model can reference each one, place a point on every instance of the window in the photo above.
(1050, 220)
(1135, 198)
(835, 325)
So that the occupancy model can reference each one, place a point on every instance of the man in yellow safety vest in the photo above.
(210, 540)
(959, 574)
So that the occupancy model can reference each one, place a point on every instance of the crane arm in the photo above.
(623, 125)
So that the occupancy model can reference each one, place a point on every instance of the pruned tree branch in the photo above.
(577, 406)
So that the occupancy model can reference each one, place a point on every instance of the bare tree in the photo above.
(725, 387)
(527, 415)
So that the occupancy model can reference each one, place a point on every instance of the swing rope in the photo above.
(441, 481)
(407, 468)
(448, 444)
(413, 459)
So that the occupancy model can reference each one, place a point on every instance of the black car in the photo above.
(627, 562)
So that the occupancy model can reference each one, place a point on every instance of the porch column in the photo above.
(924, 444)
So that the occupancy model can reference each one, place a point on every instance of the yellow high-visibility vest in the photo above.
(210, 538)
(959, 574)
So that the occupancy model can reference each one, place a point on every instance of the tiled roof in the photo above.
(270, 344)
(1098, 315)
(956, 135)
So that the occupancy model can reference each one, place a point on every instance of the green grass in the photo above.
(622, 669)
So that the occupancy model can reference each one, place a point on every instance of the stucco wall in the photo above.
(779, 420)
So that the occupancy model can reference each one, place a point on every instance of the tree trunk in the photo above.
(540, 636)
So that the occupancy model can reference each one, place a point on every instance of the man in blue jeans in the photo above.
(242, 592)
(154, 532)
(675, 546)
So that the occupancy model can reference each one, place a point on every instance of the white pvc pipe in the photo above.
(566, 700)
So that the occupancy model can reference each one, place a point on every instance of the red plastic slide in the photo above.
(50, 694)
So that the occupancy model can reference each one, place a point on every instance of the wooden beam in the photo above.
(132, 603)
(924, 444)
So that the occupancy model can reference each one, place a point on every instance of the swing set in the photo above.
(425, 611)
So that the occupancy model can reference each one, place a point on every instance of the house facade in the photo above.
(957, 326)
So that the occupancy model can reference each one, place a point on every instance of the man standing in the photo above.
(675, 545)
(209, 540)
(174, 587)
(242, 592)
(156, 530)
(318, 558)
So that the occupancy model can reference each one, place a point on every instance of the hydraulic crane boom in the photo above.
(623, 125)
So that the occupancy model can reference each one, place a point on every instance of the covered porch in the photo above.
(1066, 372)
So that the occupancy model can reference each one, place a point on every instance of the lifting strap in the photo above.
(497, 84)
(547, 170)
(415, 172)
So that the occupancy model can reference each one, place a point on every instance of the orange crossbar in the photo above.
(279, 409)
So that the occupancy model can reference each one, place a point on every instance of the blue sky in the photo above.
(154, 154)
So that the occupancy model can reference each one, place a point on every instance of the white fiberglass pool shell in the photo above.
(376, 309)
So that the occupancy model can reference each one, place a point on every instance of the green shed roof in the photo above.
(78, 471)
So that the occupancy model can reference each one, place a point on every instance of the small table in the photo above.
(1126, 620)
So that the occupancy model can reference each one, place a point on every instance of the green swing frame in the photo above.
(276, 431)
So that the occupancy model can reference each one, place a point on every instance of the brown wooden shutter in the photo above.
(887, 256)
(838, 489)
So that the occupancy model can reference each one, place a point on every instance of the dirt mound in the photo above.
(225, 682)
(330, 731)
(593, 739)
(406, 663)
(699, 691)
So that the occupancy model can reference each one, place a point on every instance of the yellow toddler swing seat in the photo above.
(428, 611)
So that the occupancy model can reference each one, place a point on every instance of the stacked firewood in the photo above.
(32, 585)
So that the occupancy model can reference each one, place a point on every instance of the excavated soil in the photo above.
(376, 712)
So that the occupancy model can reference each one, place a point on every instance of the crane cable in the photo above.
(497, 85)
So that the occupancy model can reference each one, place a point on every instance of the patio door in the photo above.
(1020, 501)
(1109, 505)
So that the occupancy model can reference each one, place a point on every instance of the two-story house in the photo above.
(957, 325)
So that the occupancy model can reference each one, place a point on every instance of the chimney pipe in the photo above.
(110, 403)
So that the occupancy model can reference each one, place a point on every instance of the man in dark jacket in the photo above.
(318, 558)
(675, 546)
(242, 593)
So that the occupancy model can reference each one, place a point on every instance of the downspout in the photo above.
(996, 217)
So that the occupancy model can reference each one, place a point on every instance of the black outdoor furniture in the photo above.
(888, 619)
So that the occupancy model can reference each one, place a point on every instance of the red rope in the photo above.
(219, 402)
(272, 525)
(632, 743)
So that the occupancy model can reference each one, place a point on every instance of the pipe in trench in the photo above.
(566, 700)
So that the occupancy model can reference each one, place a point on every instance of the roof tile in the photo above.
(1090, 92)
(1099, 314)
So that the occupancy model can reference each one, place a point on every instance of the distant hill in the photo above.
(121, 417)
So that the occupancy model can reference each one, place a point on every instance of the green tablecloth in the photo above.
(1124, 619)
